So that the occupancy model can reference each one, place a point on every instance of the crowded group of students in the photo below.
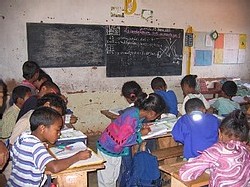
(35, 119)
(209, 143)
(33, 122)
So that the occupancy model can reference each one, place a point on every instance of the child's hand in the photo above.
(145, 130)
(83, 155)
(73, 119)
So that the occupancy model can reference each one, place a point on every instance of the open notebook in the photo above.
(64, 152)
(160, 127)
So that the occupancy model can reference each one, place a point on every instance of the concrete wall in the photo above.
(87, 88)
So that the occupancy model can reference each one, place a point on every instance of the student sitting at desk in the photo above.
(19, 95)
(160, 87)
(228, 160)
(188, 86)
(122, 133)
(197, 130)
(29, 154)
(224, 104)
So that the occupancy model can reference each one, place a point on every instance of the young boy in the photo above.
(160, 87)
(46, 87)
(196, 129)
(29, 154)
(224, 104)
(43, 77)
(19, 95)
(30, 74)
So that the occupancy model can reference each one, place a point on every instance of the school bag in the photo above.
(144, 171)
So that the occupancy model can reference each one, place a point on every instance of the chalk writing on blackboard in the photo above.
(66, 45)
(143, 51)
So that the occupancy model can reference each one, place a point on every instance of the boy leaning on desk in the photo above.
(29, 154)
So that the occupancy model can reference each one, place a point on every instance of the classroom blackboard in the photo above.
(66, 45)
(143, 51)
(125, 50)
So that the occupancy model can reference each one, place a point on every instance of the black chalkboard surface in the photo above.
(66, 45)
(143, 51)
(125, 50)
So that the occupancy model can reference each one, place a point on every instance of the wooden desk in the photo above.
(173, 170)
(109, 115)
(75, 177)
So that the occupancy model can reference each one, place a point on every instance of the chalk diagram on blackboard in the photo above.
(144, 51)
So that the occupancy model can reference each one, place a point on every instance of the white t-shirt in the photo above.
(190, 96)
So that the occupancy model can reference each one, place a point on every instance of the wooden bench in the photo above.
(169, 152)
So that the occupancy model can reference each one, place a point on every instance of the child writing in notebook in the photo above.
(131, 90)
(125, 131)
(29, 154)
(224, 104)
(160, 87)
(188, 86)
(228, 160)
(196, 130)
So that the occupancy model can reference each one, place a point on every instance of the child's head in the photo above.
(229, 88)
(49, 87)
(152, 106)
(46, 124)
(130, 90)
(30, 70)
(188, 84)
(43, 77)
(158, 83)
(234, 127)
(20, 94)
(53, 101)
(194, 104)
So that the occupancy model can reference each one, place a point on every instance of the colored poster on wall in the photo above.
(203, 46)
(230, 48)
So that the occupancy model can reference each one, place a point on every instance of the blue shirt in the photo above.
(170, 100)
(196, 135)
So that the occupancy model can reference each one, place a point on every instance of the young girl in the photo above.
(131, 90)
(228, 160)
(124, 132)
(188, 85)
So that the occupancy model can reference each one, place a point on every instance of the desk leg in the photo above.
(74, 179)
(175, 182)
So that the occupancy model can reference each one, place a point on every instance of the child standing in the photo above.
(19, 95)
(29, 154)
(188, 86)
(30, 74)
(224, 104)
(124, 132)
(160, 87)
(197, 130)
(228, 160)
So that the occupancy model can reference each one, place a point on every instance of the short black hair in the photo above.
(190, 80)
(19, 92)
(29, 69)
(49, 84)
(43, 116)
(54, 100)
(193, 104)
(229, 88)
(44, 75)
(235, 125)
(158, 83)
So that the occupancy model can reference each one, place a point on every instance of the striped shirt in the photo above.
(29, 158)
(229, 165)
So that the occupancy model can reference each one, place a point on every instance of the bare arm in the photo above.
(56, 166)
